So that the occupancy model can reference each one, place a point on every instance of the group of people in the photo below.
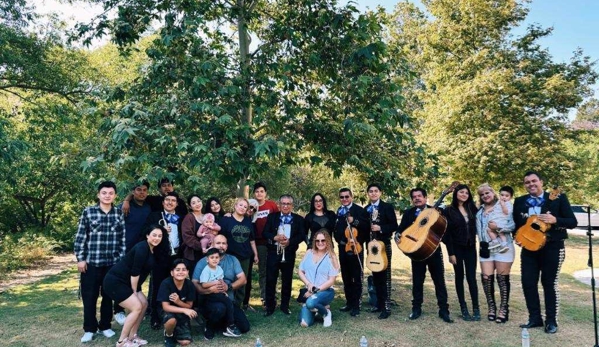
(118, 247)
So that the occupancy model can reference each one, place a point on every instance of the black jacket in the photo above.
(360, 222)
(559, 207)
(386, 219)
(296, 237)
(459, 232)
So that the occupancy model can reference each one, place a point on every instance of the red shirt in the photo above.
(267, 208)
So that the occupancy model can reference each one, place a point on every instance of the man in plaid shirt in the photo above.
(99, 244)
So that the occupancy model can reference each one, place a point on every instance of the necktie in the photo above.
(417, 212)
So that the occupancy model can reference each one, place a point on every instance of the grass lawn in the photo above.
(48, 313)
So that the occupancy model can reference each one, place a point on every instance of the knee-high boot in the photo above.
(503, 282)
(489, 289)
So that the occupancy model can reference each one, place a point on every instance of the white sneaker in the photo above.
(328, 319)
(87, 337)
(120, 318)
(108, 332)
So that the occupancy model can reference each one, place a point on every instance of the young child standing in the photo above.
(207, 231)
(498, 240)
(212, 275)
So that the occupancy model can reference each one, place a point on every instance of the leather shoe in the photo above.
(345, 309)
(445, 316)
(416, 313)
(384, 314)
(375, 310)
(286, 310)
(355, 312)
(532, 324)
(551, 328)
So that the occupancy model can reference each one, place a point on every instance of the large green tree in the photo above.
(492, 105)
(236, 88)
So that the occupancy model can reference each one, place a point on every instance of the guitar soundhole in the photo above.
(535, 226)
(423, 222)
(375, 250)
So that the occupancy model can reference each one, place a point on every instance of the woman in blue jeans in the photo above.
(318, 271)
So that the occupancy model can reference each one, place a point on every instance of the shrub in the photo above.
(23, 250)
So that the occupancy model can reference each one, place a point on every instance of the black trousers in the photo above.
(91, 287)
(215, 314)
(273, 267)
(437, 271)
(223, 299)
(248, 285)
(382, 283)
(546, 264)
(159, 274)
(466, 260)
(352, 274)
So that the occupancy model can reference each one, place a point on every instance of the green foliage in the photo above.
(23, 250)
(320, 80)
(492, 106)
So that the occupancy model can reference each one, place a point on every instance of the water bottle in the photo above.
(525, 338)
(363, 342)
(258, 343)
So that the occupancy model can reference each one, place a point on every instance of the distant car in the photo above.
(580, 212)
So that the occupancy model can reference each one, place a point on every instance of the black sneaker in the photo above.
(208, 334)
(169, 341)
(232, 331)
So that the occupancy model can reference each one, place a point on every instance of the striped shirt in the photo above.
(100, 239)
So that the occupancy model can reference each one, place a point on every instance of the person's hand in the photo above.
(397, 238)
(493, 226)
(308, 293)
(547, 218)
(190, 313)
(82, 266)
(350, 219)
(228, 214)
(256, 260)
(375, 228)
(168, 228)
(126, 207)
(284, 242)
(173, 297)
(453, 260)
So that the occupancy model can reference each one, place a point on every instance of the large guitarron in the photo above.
(421, 239)
(533, 235)
(376, 260)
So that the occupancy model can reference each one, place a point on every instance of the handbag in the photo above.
(301, 297)
(484, 250)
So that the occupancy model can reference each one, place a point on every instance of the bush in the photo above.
(23, 250)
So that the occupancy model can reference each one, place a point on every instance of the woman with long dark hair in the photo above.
(319, 217)
(460, 239)
(124, 280)
(214, 206)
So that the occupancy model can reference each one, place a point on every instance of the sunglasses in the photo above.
(321, 241)
(344, 196)
(252, 208)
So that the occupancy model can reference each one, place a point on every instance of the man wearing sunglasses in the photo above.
(351, 215)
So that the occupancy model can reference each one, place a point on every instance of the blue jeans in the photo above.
(316, 301)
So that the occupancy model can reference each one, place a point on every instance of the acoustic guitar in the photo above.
(421, 239)
(376, 260)
(533, 235)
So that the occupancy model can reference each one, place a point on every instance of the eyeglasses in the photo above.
(286, 204)
(344, 196)
(320, 241)
(319, 200)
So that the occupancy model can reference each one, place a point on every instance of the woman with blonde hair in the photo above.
(318, 271)
(494, 265)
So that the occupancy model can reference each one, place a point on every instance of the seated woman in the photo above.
(318, 271)
(123, 283)
(176, 296)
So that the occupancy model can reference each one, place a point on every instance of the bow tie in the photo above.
(342, 211)
(286, 218)
(417, 212)
(371, 208)
(171, 218)
(535, 201)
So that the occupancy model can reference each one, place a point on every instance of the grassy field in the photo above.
(48, 313)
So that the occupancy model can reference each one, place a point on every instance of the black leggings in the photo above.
(466, 259)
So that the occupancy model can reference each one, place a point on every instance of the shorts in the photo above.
(507, 257)
(116, 289)
(183, 327)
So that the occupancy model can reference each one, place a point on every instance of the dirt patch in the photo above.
(55, 265)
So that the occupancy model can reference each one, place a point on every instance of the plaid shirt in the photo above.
(100, 239)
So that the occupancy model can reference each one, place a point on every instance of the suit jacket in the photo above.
(386, 219)
(407, 219)
(360, 222)
(560, 208)
(165, 250)
(296, 237)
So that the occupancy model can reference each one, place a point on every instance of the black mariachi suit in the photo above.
(547, 261)
(435, 267)
(387, 220)
(273, 260)
(351, 271)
